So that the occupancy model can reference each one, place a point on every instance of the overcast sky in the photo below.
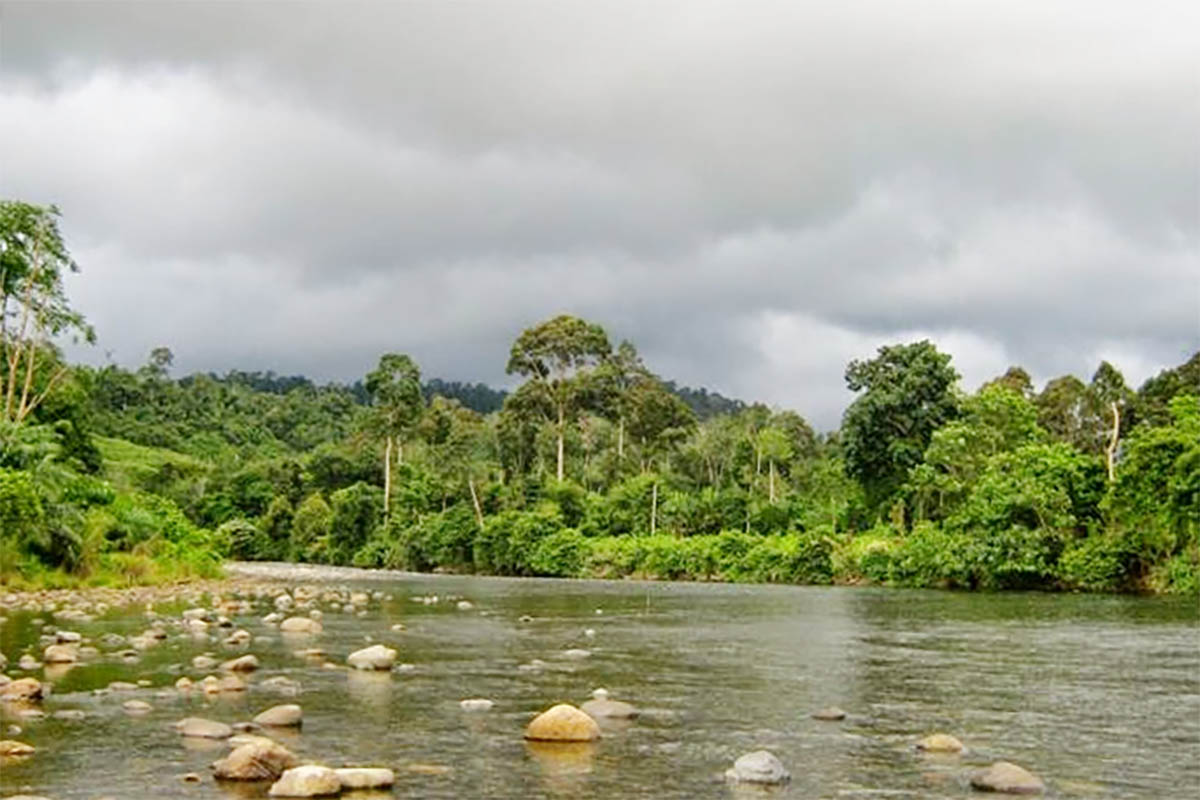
(754, 193)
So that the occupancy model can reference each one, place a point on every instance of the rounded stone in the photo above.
(600, 706)
(15, 749)
(941, 743)
(309, 780)
(476, 704)
(365, 777)
(300, 625)
(61, 654)
(830, 714)
(563, 723)
(374, 657)
(258, 760)
(200, 728)
(288, 715)
(1007, 778)
(760, 766)
(246, 663)
(22, 690)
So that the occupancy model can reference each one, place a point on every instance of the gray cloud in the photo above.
(754, 193)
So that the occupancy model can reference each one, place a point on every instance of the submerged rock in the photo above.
(300, 625)
(760, 766)
(203, 728)
(373, 657)
(563, 723)
(137, 707)
(830, 714)
(600, 706)
(259, 760)
(940, 743)
(476, 704)
(246, 663)
(309, 780)
(1007, 778)
(288, 715)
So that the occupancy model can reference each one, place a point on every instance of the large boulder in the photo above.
(758, 767)
(203, 728)
(23, 690)
(300, 625)
(940, 743)
(288, 715)
(374, 657)
(601, 707)
(259, 760)
(1007, 778)
(365, 777)
(562, 723)
(309, 780)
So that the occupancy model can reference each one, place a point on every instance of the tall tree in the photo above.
(33, 305)
(557, 357)
(395, 389)
(615, 379)
(908, 394)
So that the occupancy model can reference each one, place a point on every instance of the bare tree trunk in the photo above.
(621, 439)
(399, 451)
(561, 434)
(475, 502)
(654, 509)
(387, 477)
(1111, 452)
(771, 481)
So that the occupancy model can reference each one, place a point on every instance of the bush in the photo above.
(560, 555)
(311, 524)
(1103, 562)
(930, 556)
(786, 558)
(865, 556)
(438, 540)
(241, 539)
(508, 540)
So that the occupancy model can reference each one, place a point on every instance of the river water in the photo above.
(1098, 695)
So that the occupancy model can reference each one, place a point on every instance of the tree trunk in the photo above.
(654, 509)
(621, 439)
(475, 502)
(771, 481)
(561, 434)
(1111, 452)
(387, 477)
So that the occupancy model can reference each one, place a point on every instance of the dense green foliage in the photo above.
(594, 466)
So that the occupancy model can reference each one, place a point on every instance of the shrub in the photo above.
(560, 555)
(928, 556)
(865, 556)
(508, 540)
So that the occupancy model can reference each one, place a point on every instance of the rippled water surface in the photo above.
(1100, 696)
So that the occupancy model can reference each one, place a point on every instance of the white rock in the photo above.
(476, 704)
(758, 767)
(365, 777)
(309, 780)
(373, 657)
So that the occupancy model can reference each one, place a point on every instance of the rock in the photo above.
(830, 714)
(137, 707)
(122, 686)
(240, 636)
(758, 767)
(373, 657)
(28, 663)
(1007, 778)
(203, 663)
(300, 625)
(68, 637)
(577, 654)
(61, 654)
(259, 760)
(70, 714)
(288, 715)
(464, 605)
(10, 748)
(476, 704)
(190, 777)
(203, 728)
(231, 683)
(365, 777)
(940, 743)
(563, 723)
(309, 780)
(23, 690)
(246, 663)
(210, 685)
(601, 706)
(184, 684)
(282, 685)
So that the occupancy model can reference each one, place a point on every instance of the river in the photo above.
(1098, 695)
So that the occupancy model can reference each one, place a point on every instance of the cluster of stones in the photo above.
(259, 758)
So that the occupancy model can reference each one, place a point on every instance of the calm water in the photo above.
(1100, 696)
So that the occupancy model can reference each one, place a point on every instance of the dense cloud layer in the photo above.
(754, 193)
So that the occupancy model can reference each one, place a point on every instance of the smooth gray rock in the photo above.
(758, 767)
(288, 715)
(203, 728)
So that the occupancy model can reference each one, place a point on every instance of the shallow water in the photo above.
(1098, 695)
